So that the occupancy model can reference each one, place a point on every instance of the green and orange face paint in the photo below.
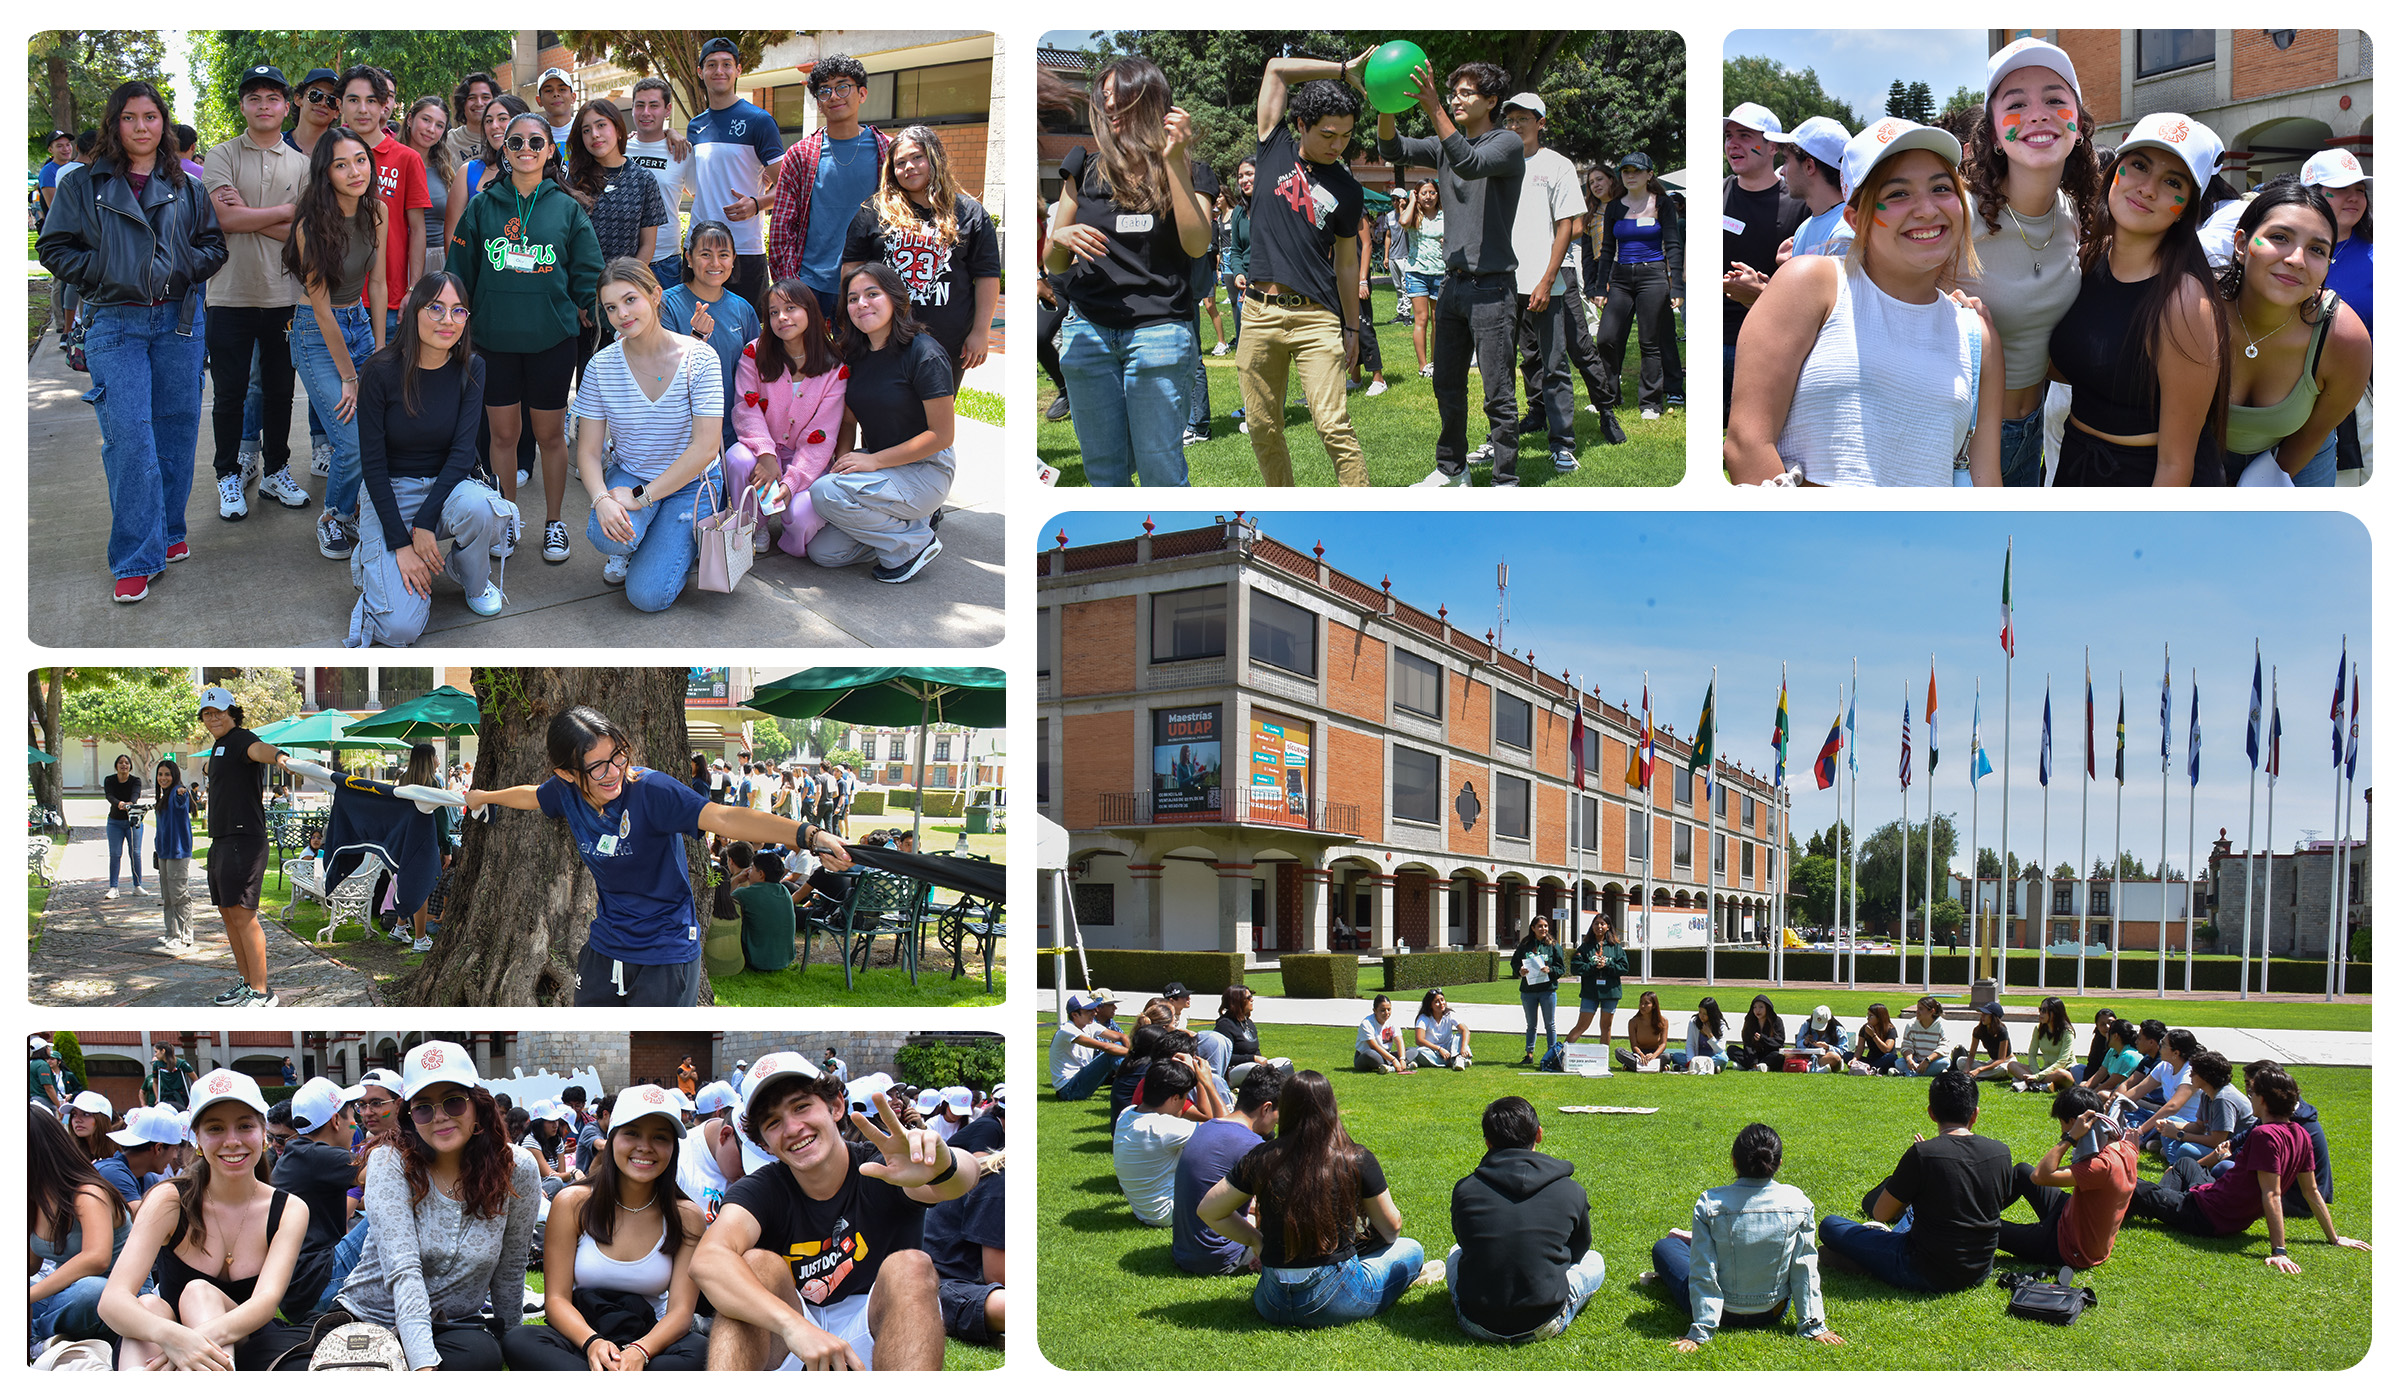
(2012, 124)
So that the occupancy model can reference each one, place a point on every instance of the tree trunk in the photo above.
(62, 93)
(521, 901)
(44, 701)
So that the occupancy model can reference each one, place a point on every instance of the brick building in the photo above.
(1249, 744)
(2274, 96)
(2292, 913)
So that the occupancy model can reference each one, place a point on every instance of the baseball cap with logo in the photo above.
(382, 1079)
(436, 1062)
(647, 1101)
(2027, 52)
(216, 697)
(1822, 137)
(91, 1101)
(772, 1069)
(928, 1100)
(147, 1126)
(559, 73)
(219, 1085)
(2334, 170)
(715, 1096)
(2192, 143)
(1531, 102)
(318, 1102)
(1887, 138)
(1755, 117)
(1100, 996)
(958, 1098)
(264, 75)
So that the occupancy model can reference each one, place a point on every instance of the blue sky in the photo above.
(1858, 65)
(1610, 594)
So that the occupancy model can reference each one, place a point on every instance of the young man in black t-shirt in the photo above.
(316, 1166)
(1943, 1202)
(237, 840)
(1301, 293)
(818, 1263)
(1759, 215)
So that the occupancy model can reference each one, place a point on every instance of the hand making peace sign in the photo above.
(911, 1156)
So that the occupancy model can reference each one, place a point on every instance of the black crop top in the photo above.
(2094, 351)
(174, 1274)
(1145, 277)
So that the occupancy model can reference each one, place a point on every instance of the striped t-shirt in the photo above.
(1919, 1039)
(647, 437)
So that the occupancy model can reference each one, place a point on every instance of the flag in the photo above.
(2091, 755)
(1904, 742)
(1830, 755)
(2166, 718)
(2258, 702)
(1853, 738)
(1704, 742)
(2008, 624)
(2045, 736)
(1783, 729)
(1933, 733)
(1638, 762)
(2274, 739)
(1979, 762)
(2120, 729)
(2352, 775)
(1575, 738)
(2193, 747)
(2338, 671)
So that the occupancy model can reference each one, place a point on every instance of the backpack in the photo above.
(358, 1346)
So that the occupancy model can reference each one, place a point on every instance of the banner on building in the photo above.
(1670, 929)
(1278, 771)
(708, 686)
(1187, 769)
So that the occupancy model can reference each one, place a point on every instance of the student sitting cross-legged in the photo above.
(1751, 1254)
(2274, 1157)
(1943, 1202)
(2077, 1228)
(1207, 1155)
(1524, 1263)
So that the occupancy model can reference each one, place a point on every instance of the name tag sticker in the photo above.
(1135, 223)
(519, 258)
(1646, 221)
(607, 845)
(1734, 225)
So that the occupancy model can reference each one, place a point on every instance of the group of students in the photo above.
(795, 1223)
(822, 400)
(1898, 304)
(1132, 254)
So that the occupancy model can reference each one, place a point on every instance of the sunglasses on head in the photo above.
(527, 143)
(452, 1106)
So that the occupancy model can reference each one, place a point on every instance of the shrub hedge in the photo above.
(1412, 971)
(1320, 975)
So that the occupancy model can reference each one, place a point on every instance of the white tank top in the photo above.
(1887, 395)
(697, 1172)
(648, 1276)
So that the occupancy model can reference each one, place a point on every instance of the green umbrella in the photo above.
(324, 731)
(434, 714)
(892, 696)
(34, 755)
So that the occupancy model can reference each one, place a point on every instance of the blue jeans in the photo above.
(314, 361)
(1097, 1072)
(1362, 1286)
(146, 392)
(1129, 388)
(2186, 1152)
(1672, 1258)
(254, 408)
(124, 838)
(73, 1312)
(2021, 450)
(1541, 1001)
(1679, 1059)
(2319, 471)
(1882, 1253)
(1584, 1278)
(662, 556)
(346, 1251)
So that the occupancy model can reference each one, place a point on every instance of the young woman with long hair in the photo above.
(2031, 175)
(1878, 1043)
(1860, 370)
(626, 213)
(1755, 1246)
(426, 129)
(642, 950)
(880, 499)
(450, 1218)
(1645, 1046)
(941, 242)
(617, 1279)
(530, 263)
(89, 1116)
(223, 1242)
(2049, 1062)
(1315, 1188)
(123, 792)
(1599, 959)
(1704, 1038)
(1762, 1039)
(420, 401)
(1641, 257)
(135, 238)
(2145, 347)
(237, 831)
(1439, 1039)
(1421, 277)
(424, 769)
(1601, 187)
(1233, 265)
(787, 407)
(1380, 1048)
(171, 850)
(703, 307)
(1991, 1037)
(1131, 222)
(75, 1228)
(2306, 358)
(337, 251)
(1536, 963)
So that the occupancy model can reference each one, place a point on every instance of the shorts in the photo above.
(1421, 284)
(1610, 997)
(847, 1320)
(601, 980)
(237, 867)
(537, 379)
(963, 1302)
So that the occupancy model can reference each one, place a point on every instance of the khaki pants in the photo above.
(1275, 340)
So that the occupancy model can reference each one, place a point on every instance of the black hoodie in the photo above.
(1520, 1220)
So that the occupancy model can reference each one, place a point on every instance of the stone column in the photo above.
(1313, 937)
(1487, 911)
(1385, 933)
(1150, 893)
(1234, 930)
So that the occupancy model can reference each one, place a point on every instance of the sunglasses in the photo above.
(319, 97)
(527, 143)
(454, 1106)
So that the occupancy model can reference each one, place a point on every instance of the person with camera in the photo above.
(124, 794)
(2079, 1190)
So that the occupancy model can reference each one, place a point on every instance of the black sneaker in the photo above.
(904, 572)
(236, 995)
(1057, 409)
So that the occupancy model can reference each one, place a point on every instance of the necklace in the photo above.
(2250, 351)
(637, 1210)
(2030, 245)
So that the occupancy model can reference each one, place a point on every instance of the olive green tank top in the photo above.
(2256, 429)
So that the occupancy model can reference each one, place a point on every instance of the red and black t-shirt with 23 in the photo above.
(837, 1245)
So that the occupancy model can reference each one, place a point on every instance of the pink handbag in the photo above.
(726, 539)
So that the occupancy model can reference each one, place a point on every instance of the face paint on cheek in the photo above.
(2012, 126)
(1882, 208)
(1758, 150)
(2176, 200)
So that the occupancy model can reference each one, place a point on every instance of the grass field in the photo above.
(1112, 1298)
(1397, 430)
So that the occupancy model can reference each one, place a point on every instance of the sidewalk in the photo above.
(104, 952)
(260, 581)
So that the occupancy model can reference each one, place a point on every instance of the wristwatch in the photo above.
(641, 491)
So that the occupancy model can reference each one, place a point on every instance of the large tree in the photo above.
(69, 74)
(520, 898)
(422, 62)
(1879, 865)
(147, 710)
(673, 54)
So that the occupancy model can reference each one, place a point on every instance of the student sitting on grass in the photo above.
(1762, 1042)
(1645, 1047)
(2304, 1116)
(1379, 1049)
(2076, 1229)
(1082, 1056)
(2222, 1111)
(1152, 1134)
(1922, 1041)
(1750, 1254)
(1312, 1185)
(1825, 1043)
(2121, 1065)
(2097, 1052)
(1943, 1202)
(2274, 1157)
(1524, 1263)
(1703, 1037)
(2164, 1094)
(1207, 1155)
(1443, 1042)
(1231, 1045)
(2049, 1062)
(1153, 1041)
(1878, 1049)
(1991, 1037)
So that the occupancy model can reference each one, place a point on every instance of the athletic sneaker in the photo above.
(399, 934)
(1377, 387)
(487, 602)
(554, 542)
(1424, 371)
(1193, 435)
(132, 590)
(252, 457)
(1057, 409)
(281, 486)
(508, 546)
(523, 476)
(320, 459)
(336, 537)
(422, 945)
(1648, 414)
(1353, 385)
(260, 1001)
(236, 995)
(613, 567)
(1219, 351)
(179, 551)
(109, 893)
(231, 503)
(1504, 485)
(1562, 461)
(1438, 478)
(1482, 452)
(904, 572)
(1432, 1274)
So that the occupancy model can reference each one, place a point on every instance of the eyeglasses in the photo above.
(842, 89)
(454, 1106)
(442, 311)
(619, 759)
(319, 97)
(527, 143)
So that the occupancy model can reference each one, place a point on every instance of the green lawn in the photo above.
(1112, 1299)
(1397, 430)
(982, 405)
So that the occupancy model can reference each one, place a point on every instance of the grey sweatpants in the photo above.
(474, 519)
(879, 513)
(175, 894)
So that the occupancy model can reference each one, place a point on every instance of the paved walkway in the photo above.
(103, 952)
(260, 581)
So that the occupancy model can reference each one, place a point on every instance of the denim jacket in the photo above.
(1754, 1244)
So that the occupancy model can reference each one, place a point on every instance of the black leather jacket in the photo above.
(115, 249)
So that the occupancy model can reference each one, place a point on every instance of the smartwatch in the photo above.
(641, 491)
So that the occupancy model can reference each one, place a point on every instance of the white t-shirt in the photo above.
(1067, 1056)
(674, 182)
(1551, 192)
(1443, 1033)
(2170, 1083)
(647, 436)
(1371, 1031)
(1147, 1147)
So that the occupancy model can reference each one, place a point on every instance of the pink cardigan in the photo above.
(798, 421)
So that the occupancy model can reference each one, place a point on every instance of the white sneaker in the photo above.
(612, 569)
(1377, 387)
(487, 602)
(422, 945)
(523, 476)
(109, 893)
(320, 459)
(1220, 349)
(231, 503)
(1481, 452)
(252, 457)
(284, 489)
(1648, 414)
(1438, 478)
(1424, 371)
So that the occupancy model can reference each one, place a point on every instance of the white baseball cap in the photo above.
(319, 1102)
(958, 1098)
(92, 1101)
(558, 1113)
(716, 1095)
(220, 1084)
(216, 697)
(1887, 138)
(683, 1101)
(647, 1101)
(1531, 102)
(147, 1126)
(2191, 142)
(862, 1091)
(1822, 137)
(2028, 52)
(434, 1062)
(559, 73)
(382, 1079)
(1820, 1016)
(35, 1045)
(1755, 117)
(770, 1070)
(2334, 170)
(928, 1100)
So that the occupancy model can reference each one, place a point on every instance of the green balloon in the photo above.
(1391, 75)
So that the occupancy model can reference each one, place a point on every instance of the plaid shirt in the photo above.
(795, 185)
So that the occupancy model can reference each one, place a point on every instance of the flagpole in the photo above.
(1837, 825)
(2166, 740)
(2340, 918)
(2349, 826)
(2041, 959)
(2266, 949)
(2083, 847)
(2116, 851)
(2336, 915)
(2250, 834)
(2191, 829)
(1851, 838)
(1783, 824)
(1708, 856)
(1902, 942)
(1649, 835)
(1932, 761)
(1574, 818)
(2008, 863)
(1975, 839)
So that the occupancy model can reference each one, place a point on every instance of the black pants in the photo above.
(1476, 319)
(2168, 1200)
(1046, 322)
(1582, 354)
(1370, 351)
(1744, 1057)
(645, 984)
(2348, 454)
(543, 1349)
(2037, 1242)
(750, 282)
(233, 332)
(1542, 347)
(2084, 460)
(1638, 294)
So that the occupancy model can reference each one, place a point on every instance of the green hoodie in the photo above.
(523, 311)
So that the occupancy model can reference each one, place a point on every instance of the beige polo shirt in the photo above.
(253, 274)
